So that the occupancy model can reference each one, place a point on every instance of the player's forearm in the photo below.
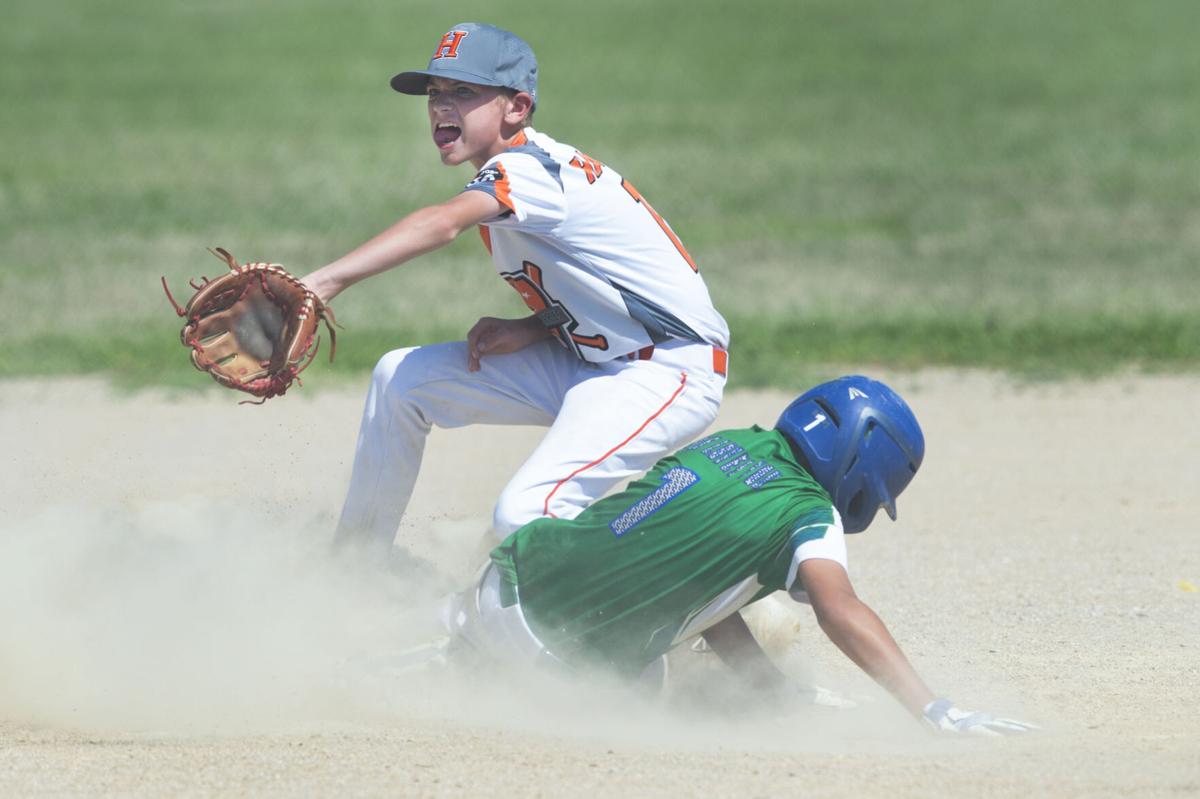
(862, 636)
(733, 642)
(416, 234)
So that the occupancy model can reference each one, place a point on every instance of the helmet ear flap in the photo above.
(860, 508)
(854, 507)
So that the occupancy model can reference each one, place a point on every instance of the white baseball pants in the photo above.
(607, 422)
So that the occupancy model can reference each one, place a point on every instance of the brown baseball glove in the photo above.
(254, 328)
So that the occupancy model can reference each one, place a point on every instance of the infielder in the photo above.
(623, 356)
(722, 523)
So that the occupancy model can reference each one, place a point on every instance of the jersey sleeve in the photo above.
(814, 539)
(529, 187)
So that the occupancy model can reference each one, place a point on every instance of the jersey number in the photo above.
(593, 169)
(675, 481)
(662, 223)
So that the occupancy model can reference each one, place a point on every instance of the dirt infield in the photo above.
(1045, 566)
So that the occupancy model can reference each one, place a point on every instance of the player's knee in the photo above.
(389, 367)
(393, 385)
(400, 374)
(402, 371)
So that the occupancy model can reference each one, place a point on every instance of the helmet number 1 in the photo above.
(819, 418)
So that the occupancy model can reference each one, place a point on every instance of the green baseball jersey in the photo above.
(705, 532)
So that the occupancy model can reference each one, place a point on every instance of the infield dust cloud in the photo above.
(188, 619)
(171, 617)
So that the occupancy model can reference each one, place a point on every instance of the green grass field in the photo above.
(940, 182)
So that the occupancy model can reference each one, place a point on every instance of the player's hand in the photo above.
(943, 716)
(491, 336)
(819, 696)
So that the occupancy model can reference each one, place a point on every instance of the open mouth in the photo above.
(445, 134)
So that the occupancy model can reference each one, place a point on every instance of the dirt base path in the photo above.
(1045, 565)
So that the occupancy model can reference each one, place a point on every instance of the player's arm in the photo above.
(416, 234)
(860, 634)
(732, 641)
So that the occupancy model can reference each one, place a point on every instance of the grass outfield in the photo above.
(1009, 184)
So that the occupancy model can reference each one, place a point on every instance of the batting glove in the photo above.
(942, 716)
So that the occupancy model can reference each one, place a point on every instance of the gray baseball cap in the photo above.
(477, 53)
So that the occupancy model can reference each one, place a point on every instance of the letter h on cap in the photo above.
(448, 46)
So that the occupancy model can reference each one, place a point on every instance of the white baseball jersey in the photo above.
(610, 278)
(589, 255)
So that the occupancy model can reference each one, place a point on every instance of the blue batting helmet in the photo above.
(860, 441)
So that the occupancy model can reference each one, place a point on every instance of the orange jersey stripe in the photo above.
(503, 188)
(662, 223)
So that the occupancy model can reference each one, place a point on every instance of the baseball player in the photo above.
(724, 522)
(623, 355)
